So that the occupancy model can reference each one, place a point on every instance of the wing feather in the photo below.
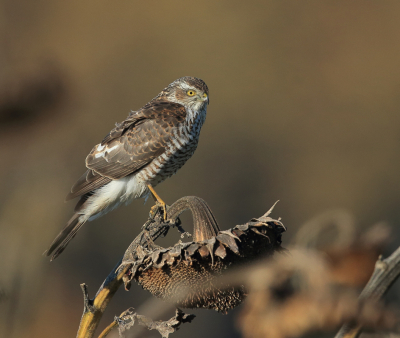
(88, 182)
(130, 146)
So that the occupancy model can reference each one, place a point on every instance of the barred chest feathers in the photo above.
(183, 143)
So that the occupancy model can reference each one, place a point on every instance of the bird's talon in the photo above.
(164, 207)
(160, 204)
(156, 208)
(153, 211)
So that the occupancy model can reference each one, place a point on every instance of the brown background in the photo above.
(304, 108)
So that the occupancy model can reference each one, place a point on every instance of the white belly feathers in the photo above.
(113, 194)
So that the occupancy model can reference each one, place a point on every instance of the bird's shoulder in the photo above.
(160, 111)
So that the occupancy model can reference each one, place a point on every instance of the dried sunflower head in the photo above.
(186, 273)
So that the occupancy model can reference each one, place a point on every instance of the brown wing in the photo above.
(132, 145)
(88, 182)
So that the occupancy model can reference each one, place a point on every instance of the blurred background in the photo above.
(304, 108)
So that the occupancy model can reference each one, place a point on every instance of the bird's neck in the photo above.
(195, 117)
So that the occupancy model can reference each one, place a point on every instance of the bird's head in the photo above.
(189, 91)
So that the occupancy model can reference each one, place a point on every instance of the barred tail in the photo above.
(64, 237)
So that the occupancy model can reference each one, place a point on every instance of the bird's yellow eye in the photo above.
(191, 92)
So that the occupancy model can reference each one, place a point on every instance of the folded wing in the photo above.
(130, 146)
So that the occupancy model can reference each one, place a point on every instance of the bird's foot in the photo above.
(160, 204)
(162, 207)
(153, 211)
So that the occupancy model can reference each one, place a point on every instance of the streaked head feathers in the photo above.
(188, 91)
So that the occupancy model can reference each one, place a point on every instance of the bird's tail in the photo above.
(64, 237)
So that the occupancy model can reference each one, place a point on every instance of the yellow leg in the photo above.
(158, 200)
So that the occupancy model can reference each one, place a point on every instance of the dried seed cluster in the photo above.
(186, 273)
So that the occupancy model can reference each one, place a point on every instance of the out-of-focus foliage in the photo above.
(304, 108)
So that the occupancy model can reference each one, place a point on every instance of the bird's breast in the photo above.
(181, 146)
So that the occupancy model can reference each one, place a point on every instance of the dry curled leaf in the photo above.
(165, 328)
(186, 272)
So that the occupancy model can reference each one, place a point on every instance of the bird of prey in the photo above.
(150, 145)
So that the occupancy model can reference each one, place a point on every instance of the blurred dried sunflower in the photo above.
(186, 273)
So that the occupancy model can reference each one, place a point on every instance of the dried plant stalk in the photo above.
(94, 308)
(385, 274)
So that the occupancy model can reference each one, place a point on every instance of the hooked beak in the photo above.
(206, 98)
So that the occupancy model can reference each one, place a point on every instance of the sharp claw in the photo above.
(153, 211)
(156, 207)
(165, 212)
(159, 203)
